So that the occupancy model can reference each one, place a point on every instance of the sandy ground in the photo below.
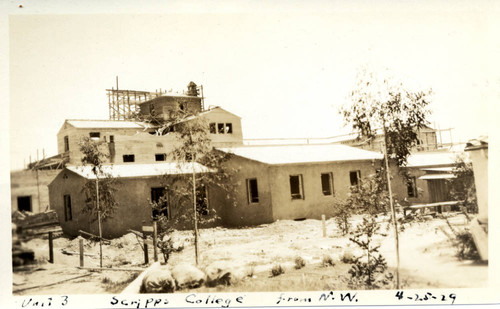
(427, 256)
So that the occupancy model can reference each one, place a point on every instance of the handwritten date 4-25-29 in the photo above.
(427, 297)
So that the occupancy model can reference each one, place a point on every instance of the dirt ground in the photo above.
(427, 258)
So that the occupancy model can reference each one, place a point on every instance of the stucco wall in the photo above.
(163, 105)
(132, 212)
(479, 159)
(24, 183)
(225, 140)
(314, 203)
(242, 212)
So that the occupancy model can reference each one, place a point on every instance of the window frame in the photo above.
(252, 198)
(330, 184)
(160, 155)
(228, 128)
(300, 195)
(66, 143)
(131, 158)
(358, 177)
(68, 212)
(95, 135)
(411, 184)
(221, 128)
(213, 127)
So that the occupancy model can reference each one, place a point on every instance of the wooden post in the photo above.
(51, 249)
(391, 203)
(324, 225)
(155, 234)
(99, 219)
(146, 258)
(195, 212)
(80, 242)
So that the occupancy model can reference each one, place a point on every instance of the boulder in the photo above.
(187, 276)
(219, 273)
(158, 281)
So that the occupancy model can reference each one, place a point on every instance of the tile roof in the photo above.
(140, 170)
(290, 154)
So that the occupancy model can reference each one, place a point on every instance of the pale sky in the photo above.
(284, 70)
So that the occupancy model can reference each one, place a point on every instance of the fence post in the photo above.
(146, 258)
(81, 252)
(324, 225)
(51, 249)
(155, 234)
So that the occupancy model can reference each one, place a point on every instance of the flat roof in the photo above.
(140, 170)
(98, 124)
(292, 154)
(432, 158)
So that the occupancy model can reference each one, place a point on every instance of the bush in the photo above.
(342, 212)
(327, 261)
(277, 270)
(369, 269)
(347, 257)
(299, 262)
(466, 248)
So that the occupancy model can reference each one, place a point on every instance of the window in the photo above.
(327, 183)
(67, 208)
(296, 189)
(252, 191)
(212, 128)
(111, 138)
(355, 176)
(202, 200)
(160, 157)
(220, 128)
(95, 135)
(412, 187)
(24, 203)
(66, 143)
(129, 158)
(159, 197)
(188, 157)
(229, 128)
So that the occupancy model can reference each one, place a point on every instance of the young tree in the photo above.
(100, 200)
(383, 106)
(193, 146)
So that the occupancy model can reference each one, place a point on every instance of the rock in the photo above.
(187, 276)
(158, 281)
(219, 273)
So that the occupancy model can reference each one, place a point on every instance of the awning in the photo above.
(437, 176)
(437, 169)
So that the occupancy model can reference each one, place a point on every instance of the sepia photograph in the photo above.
(191, 150)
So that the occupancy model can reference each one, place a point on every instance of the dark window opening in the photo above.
(220, 128)
(95, 134)
(252, 191)
(202, 200)
(129, 158)
(111, 138)
(355, 176)
(24, 203)
(411, 185)
(229, 128)
(68, 216)
(181, 106)
(327, 183)
(296, 187)
(160, 157)
(189, 157)
(66, 143)
(159, 198)
(213, 130)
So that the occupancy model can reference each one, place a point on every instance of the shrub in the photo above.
(299, 262)
(368, 269)
(466, 248)
(327, 261)
(277, 270)
(347, 257)
(342, 211)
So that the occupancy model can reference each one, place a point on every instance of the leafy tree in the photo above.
(100, 200)
(383, 106)
(463, 188)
